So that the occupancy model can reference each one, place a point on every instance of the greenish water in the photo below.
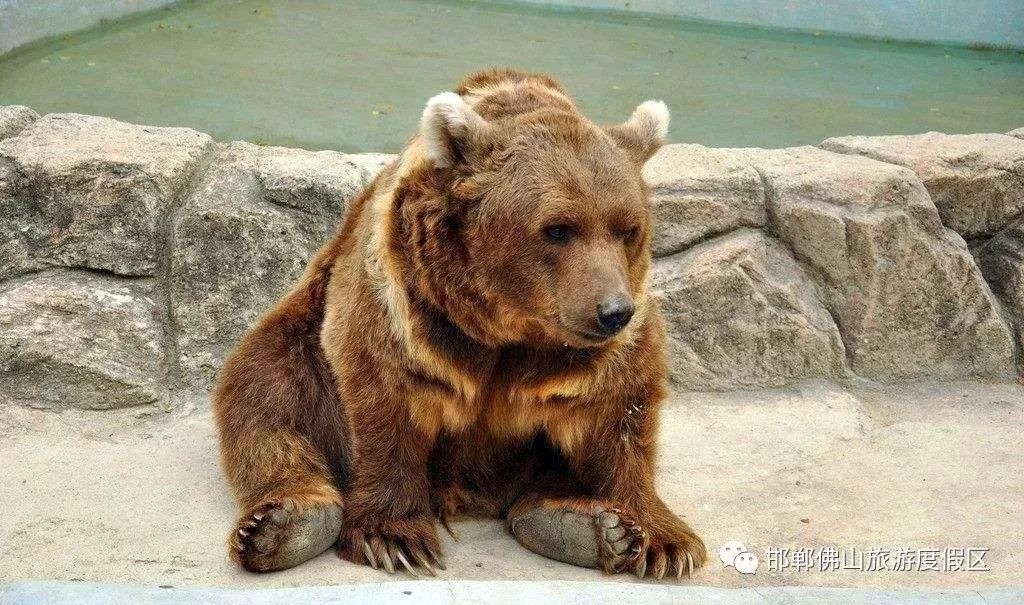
(354, 75)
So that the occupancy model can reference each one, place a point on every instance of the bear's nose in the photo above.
(614, 313)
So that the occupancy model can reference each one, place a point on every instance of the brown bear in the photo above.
(477, 339)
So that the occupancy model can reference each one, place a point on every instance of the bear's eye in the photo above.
(629, 235)
(558, 233)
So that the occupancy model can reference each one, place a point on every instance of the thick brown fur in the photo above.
(439, 357)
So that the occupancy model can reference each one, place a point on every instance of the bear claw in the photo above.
(418, 550)
(666, 557)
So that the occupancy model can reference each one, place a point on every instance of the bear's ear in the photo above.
(644, 132)
(451, 129)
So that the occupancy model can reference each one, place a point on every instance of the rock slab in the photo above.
(1001, 259)
(699, 192)
(975, 180)
(905, 292)
(14, 119)
(741, 313)
(82, 191)
(72, 339)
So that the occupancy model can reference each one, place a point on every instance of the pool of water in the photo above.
(354, 75)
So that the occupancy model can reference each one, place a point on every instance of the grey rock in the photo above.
(71, 339)
(1017, 132)
(905, 292)
(82, 191)
(698, 192)
(244, 236)
(14, 118)
(741, 313)
(975, 180)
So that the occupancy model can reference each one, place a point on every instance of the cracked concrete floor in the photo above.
(137, 497)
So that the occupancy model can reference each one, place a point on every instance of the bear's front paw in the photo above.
(409, 543)
(670, 548)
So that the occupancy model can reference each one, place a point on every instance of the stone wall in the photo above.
(132, 258)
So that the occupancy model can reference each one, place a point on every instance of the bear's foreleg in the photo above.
(614, 460)
(389, 518)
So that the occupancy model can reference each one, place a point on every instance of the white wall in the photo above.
(988, 22)
(23, 21)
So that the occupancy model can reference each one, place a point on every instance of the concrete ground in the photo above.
(469, 592)
(136, 497)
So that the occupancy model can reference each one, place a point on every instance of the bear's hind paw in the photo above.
(585, 535)
(278, 534)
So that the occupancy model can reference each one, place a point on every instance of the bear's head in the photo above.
(525, 222)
